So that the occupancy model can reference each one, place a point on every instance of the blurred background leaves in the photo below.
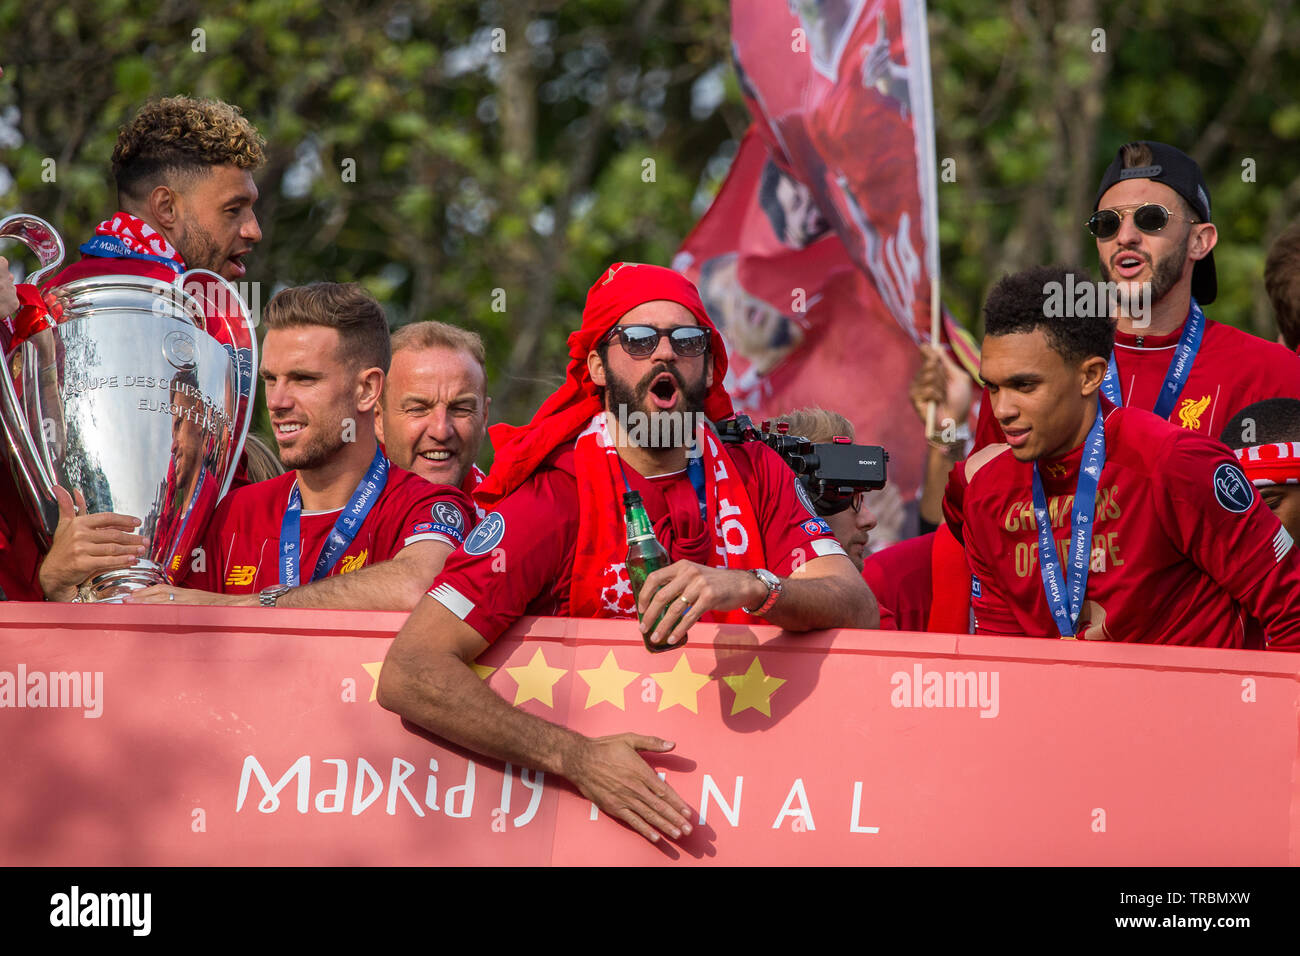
(505, 153)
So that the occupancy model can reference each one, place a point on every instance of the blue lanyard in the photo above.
(345, 528)
(695, 471)
(110, 247)
(1075, 582)
(1189, 343)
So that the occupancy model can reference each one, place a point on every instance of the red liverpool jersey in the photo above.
(242, 544)
(520, 559)
(1183, 549)
(900, 578)
(1233, 369)
(20, 552)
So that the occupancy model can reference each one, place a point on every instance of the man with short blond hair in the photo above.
(432, 416)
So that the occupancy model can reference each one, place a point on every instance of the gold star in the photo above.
(482, 670)
(753, 689)
(373, 670)
(681, 685)
(606, 682)
(536, 679)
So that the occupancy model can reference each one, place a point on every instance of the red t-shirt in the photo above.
(900, 578)
(1182, 546)
(242, 544)
(1233, 369)
(20, 553)
(520, 559)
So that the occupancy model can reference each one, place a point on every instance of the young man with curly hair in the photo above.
(1155, 244)
(1102, 522)
(185, 193)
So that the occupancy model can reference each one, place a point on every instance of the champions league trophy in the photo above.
(136, 392)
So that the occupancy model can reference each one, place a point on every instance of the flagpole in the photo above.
(917, 41)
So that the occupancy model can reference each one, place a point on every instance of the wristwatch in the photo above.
(773, 591)
(268, 596)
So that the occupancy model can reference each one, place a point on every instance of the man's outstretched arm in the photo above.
(394, 585)
(426, 678)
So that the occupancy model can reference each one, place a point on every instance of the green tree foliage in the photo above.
(505, 152)
(1034, 96)
(498, 149)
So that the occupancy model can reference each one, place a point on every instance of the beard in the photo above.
(198, 249)
(318, 450)
(623, 398)
(1165, 272)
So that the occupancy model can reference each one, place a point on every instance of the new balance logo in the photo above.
(241, 575)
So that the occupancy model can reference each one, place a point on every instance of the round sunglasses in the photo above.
(1150, 217)
(640, 341)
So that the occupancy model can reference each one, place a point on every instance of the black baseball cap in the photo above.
(1180, 173)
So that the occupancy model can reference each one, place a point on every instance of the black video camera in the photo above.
(831, 472)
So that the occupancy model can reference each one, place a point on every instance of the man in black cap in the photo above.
(1155, 242)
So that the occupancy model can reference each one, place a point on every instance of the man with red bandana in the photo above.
(555, 542)
(1170, 358)
(1107, 523)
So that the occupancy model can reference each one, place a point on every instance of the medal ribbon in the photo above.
(344, 530)
(110, 247)
(1189, 343)
(1073, 583)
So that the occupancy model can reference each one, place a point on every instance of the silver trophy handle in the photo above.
(38, 236)
(29, 464)
(247, 387)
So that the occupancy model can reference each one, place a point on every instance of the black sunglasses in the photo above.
(640, 341)
(1150, 217)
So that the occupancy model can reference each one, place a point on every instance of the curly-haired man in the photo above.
(1102, 522)
(185, 194)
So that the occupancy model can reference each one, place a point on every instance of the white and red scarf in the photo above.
(138, 236)
(1274, 463)
(598, 587)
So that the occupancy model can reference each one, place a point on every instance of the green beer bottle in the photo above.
(644, 555)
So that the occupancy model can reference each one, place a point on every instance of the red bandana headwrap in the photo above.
(622, 287)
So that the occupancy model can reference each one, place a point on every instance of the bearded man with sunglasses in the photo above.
(1152, 226)
(555, 541)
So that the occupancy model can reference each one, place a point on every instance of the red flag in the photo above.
(816, 256)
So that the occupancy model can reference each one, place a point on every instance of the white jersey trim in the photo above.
(430, 536)
(1282, 543)
(825, 546)
(452, 600)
